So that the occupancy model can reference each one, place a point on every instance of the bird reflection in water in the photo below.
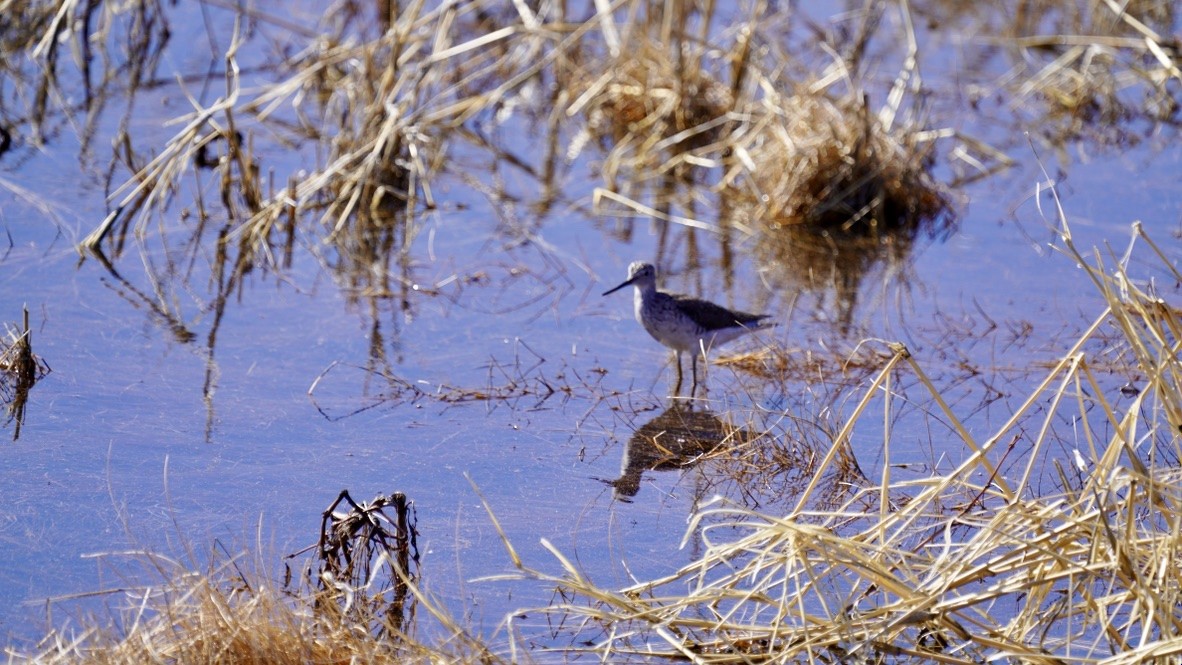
(678, 438)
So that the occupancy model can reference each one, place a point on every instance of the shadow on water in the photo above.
(677, 438)
(760, 456)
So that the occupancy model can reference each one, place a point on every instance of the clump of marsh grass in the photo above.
(971, 564)
(651, 104)
(819, 158)
(376, 103)
(226, 616)
(805, 365)
(385, 92)
(62, 60)
(832, 165)
(20, 369)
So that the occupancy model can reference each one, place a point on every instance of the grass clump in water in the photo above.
(223, 617)
(20, 369)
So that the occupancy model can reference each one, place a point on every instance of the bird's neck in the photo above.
(639, 299)
(645, 291)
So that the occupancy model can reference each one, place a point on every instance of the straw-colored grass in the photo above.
(666, 88)
(662, 100)
(650, 108)
(1096, 70)
(238, 615)
(222, 618)
(835, 165)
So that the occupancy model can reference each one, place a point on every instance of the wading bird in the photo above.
(684, 323)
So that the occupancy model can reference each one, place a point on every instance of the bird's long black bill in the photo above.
(617, 288)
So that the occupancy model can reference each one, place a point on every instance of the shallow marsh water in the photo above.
(513, 374)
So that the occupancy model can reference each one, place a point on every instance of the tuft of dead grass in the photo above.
(648, 108)
(216, 618)
(65, 62)
(831, 165)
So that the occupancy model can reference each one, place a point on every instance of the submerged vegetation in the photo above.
(1053, 538)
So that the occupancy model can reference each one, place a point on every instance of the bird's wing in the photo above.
(714, 317)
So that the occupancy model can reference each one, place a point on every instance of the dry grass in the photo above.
(833, 164)
(1098, 71)
(66, 61)
(650, 109)
(223, 618)
(363, 604)
(666, 89)
(664, 101)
